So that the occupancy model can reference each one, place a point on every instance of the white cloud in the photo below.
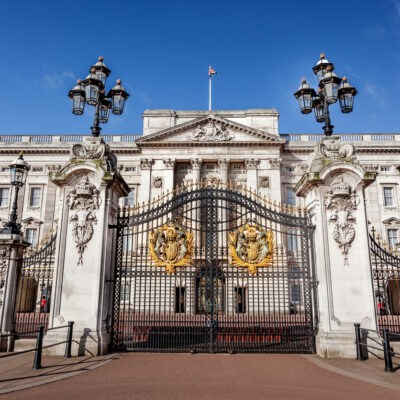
(55, 81)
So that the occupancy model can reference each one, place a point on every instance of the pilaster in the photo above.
(145, 187)
(252, 173)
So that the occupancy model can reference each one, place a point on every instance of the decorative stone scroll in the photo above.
(171, 246)
(332, 148)
(83, 200)
(94, 149)
(211, 133)
(341, 200)
(252, 247)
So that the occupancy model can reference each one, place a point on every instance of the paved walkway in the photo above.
(203, 376)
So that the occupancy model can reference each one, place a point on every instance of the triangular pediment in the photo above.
(31, 221)
(391, 221)
(208, 130)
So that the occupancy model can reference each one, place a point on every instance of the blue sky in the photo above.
(162, 49)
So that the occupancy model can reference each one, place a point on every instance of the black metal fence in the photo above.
(34, 289)
(373, 342)
(181, 283)
(386, 281)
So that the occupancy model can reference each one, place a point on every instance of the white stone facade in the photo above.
(186, 146)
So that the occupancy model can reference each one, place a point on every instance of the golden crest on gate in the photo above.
(171, 246)
(252, 247)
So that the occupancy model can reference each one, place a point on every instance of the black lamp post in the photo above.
(19, 170)
(331, 88)
(92, 92)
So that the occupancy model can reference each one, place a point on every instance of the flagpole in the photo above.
(209, 92)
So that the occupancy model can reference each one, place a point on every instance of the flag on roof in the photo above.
(211, 72)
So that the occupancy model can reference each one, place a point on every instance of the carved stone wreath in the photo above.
(341, 200)
(83, 200)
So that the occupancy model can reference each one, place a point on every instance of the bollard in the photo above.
(68, 346)
(387, 351)
(358, 342)
(37, 362)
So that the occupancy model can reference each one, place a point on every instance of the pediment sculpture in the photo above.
(210, 132)
(83, 200)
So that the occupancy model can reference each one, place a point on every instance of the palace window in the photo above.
(289, 169)
(393, 238)
(290, 197)
(292, 242)
(127, 239)
(4, 196)
(37, 169)
(388, 197)
(125, 293)
(180, 300)
(31, 236)
(240, 300)
(295, 293)
(386, 168)
(34, 199)
(183, 167)
(130, 199)
(130, 169)
(210, 167)
(5, 169)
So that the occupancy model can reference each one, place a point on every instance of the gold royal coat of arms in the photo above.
(251, 246)
(171, 246)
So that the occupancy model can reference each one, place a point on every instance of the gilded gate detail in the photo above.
(213, 267)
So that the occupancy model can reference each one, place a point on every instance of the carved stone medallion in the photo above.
(83, 200)
(171, 246)
(157, 182)
(252, 247)
(263, 182)
(341, 200)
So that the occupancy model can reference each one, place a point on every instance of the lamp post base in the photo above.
(328, 129)
(95, 131)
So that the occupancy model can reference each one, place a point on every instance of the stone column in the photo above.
(275, 184)
(196, 169)
(90, 188)
(251, 169)
(11, 250)
(169, 169)
(196, 173)
(223, 164)
(145, 187)
(333, 190)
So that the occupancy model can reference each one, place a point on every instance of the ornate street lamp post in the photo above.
(92, 91)
(19, 170)
(331, 88)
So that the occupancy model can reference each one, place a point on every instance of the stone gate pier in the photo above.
(333, 189)
(90, 188)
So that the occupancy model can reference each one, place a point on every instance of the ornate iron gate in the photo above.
(35, 278)
(213, 267)
(386, 279)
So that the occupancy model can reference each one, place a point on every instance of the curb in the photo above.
(353, 375)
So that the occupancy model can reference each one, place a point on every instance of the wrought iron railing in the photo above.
(34, 289)
(385, 264)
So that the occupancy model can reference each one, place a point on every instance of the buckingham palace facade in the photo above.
(222, 234)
